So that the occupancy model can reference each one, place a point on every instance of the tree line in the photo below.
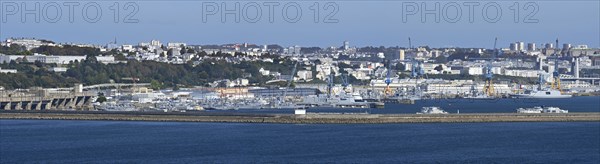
(90, 72)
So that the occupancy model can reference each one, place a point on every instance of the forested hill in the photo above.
(90, 72)
(65, 50)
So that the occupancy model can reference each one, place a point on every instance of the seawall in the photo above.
(307, 119)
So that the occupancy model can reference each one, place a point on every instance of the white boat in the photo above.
(480, 97)
(177, 105)
(554, 110)
(538, 109)
(432, 110)
(541, 94)
(116, 106)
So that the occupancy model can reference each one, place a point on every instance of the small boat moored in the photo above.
(432, 110)
(541, 109)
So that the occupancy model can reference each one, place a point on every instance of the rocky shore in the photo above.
(305, 119)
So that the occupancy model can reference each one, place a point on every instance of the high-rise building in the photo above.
(595, 61)
(513, 47)
(155, 43)
(436, 53)
(540, 63)
(549, 46)
(575, 68)
(401, 53)
(521, 46)
(176, 45)
(294, 50)
(566, 46)
(530, 46)
(346, 45)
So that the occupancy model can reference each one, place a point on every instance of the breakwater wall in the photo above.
(309, 118)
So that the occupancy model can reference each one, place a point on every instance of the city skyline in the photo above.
(520, 45)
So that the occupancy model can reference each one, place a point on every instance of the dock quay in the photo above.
(41, 99)
(309, 118)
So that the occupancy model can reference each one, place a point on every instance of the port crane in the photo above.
(330, 82)
(388, 79)
(541, 81)
(345, 81)
(289, 83)
(488, 87)
(555, 73)
(416, 69)
(416, 66)
(416, 73)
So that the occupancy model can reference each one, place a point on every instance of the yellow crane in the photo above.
(488, 87)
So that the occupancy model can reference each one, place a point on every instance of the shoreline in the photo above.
(311, 118)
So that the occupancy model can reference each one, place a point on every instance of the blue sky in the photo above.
(361, 23)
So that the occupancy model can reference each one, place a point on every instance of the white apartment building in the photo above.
(323, 71)
(127, 47)
(522, 73)
(58, 69)
(176, 45)
(360, 75)
(106, 59)
(304, 75)
(472, 70)
(50, 59)
(28, 43)
(464, 88)
(8, 70)
(264, 72)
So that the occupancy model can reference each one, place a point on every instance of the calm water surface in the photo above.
(54, 141)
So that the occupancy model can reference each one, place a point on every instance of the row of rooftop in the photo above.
(328, 59)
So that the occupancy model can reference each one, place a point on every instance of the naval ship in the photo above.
(541, 92)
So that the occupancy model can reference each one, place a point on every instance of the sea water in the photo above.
(59, 141)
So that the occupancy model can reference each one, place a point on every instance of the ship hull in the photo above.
(541, 97)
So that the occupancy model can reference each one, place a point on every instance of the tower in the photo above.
(401, 55)
(520, 46)
(531, 47)
(575, 67)
(346, 45)
(540, 63)
(556, 74)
